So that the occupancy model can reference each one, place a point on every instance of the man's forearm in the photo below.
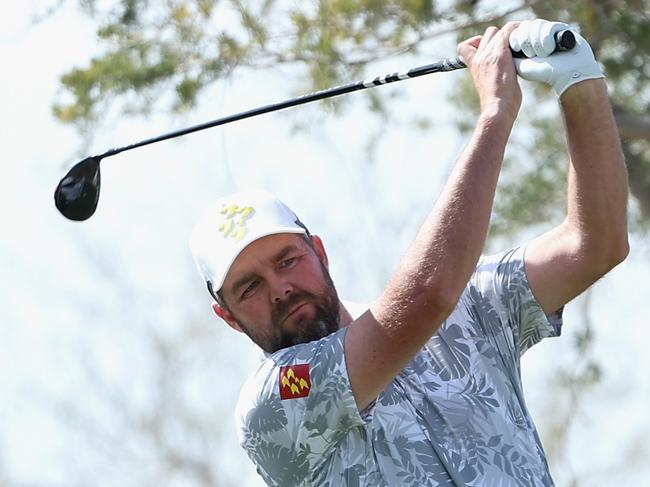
(445, 251)
(459, 221)
(597, 192)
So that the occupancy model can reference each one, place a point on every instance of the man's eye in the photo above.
(249, 289)
(287, 262)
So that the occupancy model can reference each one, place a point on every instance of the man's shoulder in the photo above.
(254, 386)
(289, 373)
(293, 387)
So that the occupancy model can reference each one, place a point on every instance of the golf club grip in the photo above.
(565, 40)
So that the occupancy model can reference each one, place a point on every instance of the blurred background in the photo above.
(113, 370)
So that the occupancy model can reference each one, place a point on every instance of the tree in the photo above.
(164, 55)
(183, 46)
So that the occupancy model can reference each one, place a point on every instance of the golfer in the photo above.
(423, 386)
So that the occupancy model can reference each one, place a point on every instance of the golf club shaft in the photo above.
(449, 64)
(564, 40)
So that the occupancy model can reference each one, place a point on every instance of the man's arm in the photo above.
(438, 264)
(593, 238)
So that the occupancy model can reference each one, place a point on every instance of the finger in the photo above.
(467, 48)
(537, 28)
(490, 32)
(516, 37)
(513, 40)
(509, 27)
(473, 41)
(520, 39)
(506, 31)
(548, 35)
(524, 39)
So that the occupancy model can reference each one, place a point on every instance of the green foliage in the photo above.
(618, 34)
(197, 42)
(182, 46)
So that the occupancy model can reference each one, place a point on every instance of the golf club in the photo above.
(77, 194)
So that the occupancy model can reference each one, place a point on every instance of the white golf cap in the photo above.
(231, 224)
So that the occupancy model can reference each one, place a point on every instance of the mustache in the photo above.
(281, 309)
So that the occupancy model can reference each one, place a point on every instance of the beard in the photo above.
(324, 322)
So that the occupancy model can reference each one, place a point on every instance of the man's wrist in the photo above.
(497, 117)
(584, 93)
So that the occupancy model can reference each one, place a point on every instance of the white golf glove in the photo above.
(560, 70)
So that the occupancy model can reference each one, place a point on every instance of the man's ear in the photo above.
(319, 248)
(226, 316)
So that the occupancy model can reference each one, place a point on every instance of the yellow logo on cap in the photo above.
(234, 224)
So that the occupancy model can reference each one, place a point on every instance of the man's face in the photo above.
(279, 292)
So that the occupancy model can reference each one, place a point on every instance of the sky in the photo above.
(83, 300)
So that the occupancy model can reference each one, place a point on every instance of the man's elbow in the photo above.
(439, 297)
(615, 252)
(620, 252)
(427, 302)
(598, 251)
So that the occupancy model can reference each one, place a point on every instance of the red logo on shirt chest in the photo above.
(294, 381)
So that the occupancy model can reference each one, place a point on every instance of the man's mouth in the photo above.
(294, 310)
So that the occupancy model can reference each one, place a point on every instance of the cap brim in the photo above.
(245, 243)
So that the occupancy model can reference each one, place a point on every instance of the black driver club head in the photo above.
(77, 194)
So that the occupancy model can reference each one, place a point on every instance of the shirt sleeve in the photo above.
(501, 281)
(295, 409)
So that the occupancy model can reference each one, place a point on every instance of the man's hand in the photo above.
(560, 70)
(490, 62)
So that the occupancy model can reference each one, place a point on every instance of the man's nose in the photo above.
(281, 290)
